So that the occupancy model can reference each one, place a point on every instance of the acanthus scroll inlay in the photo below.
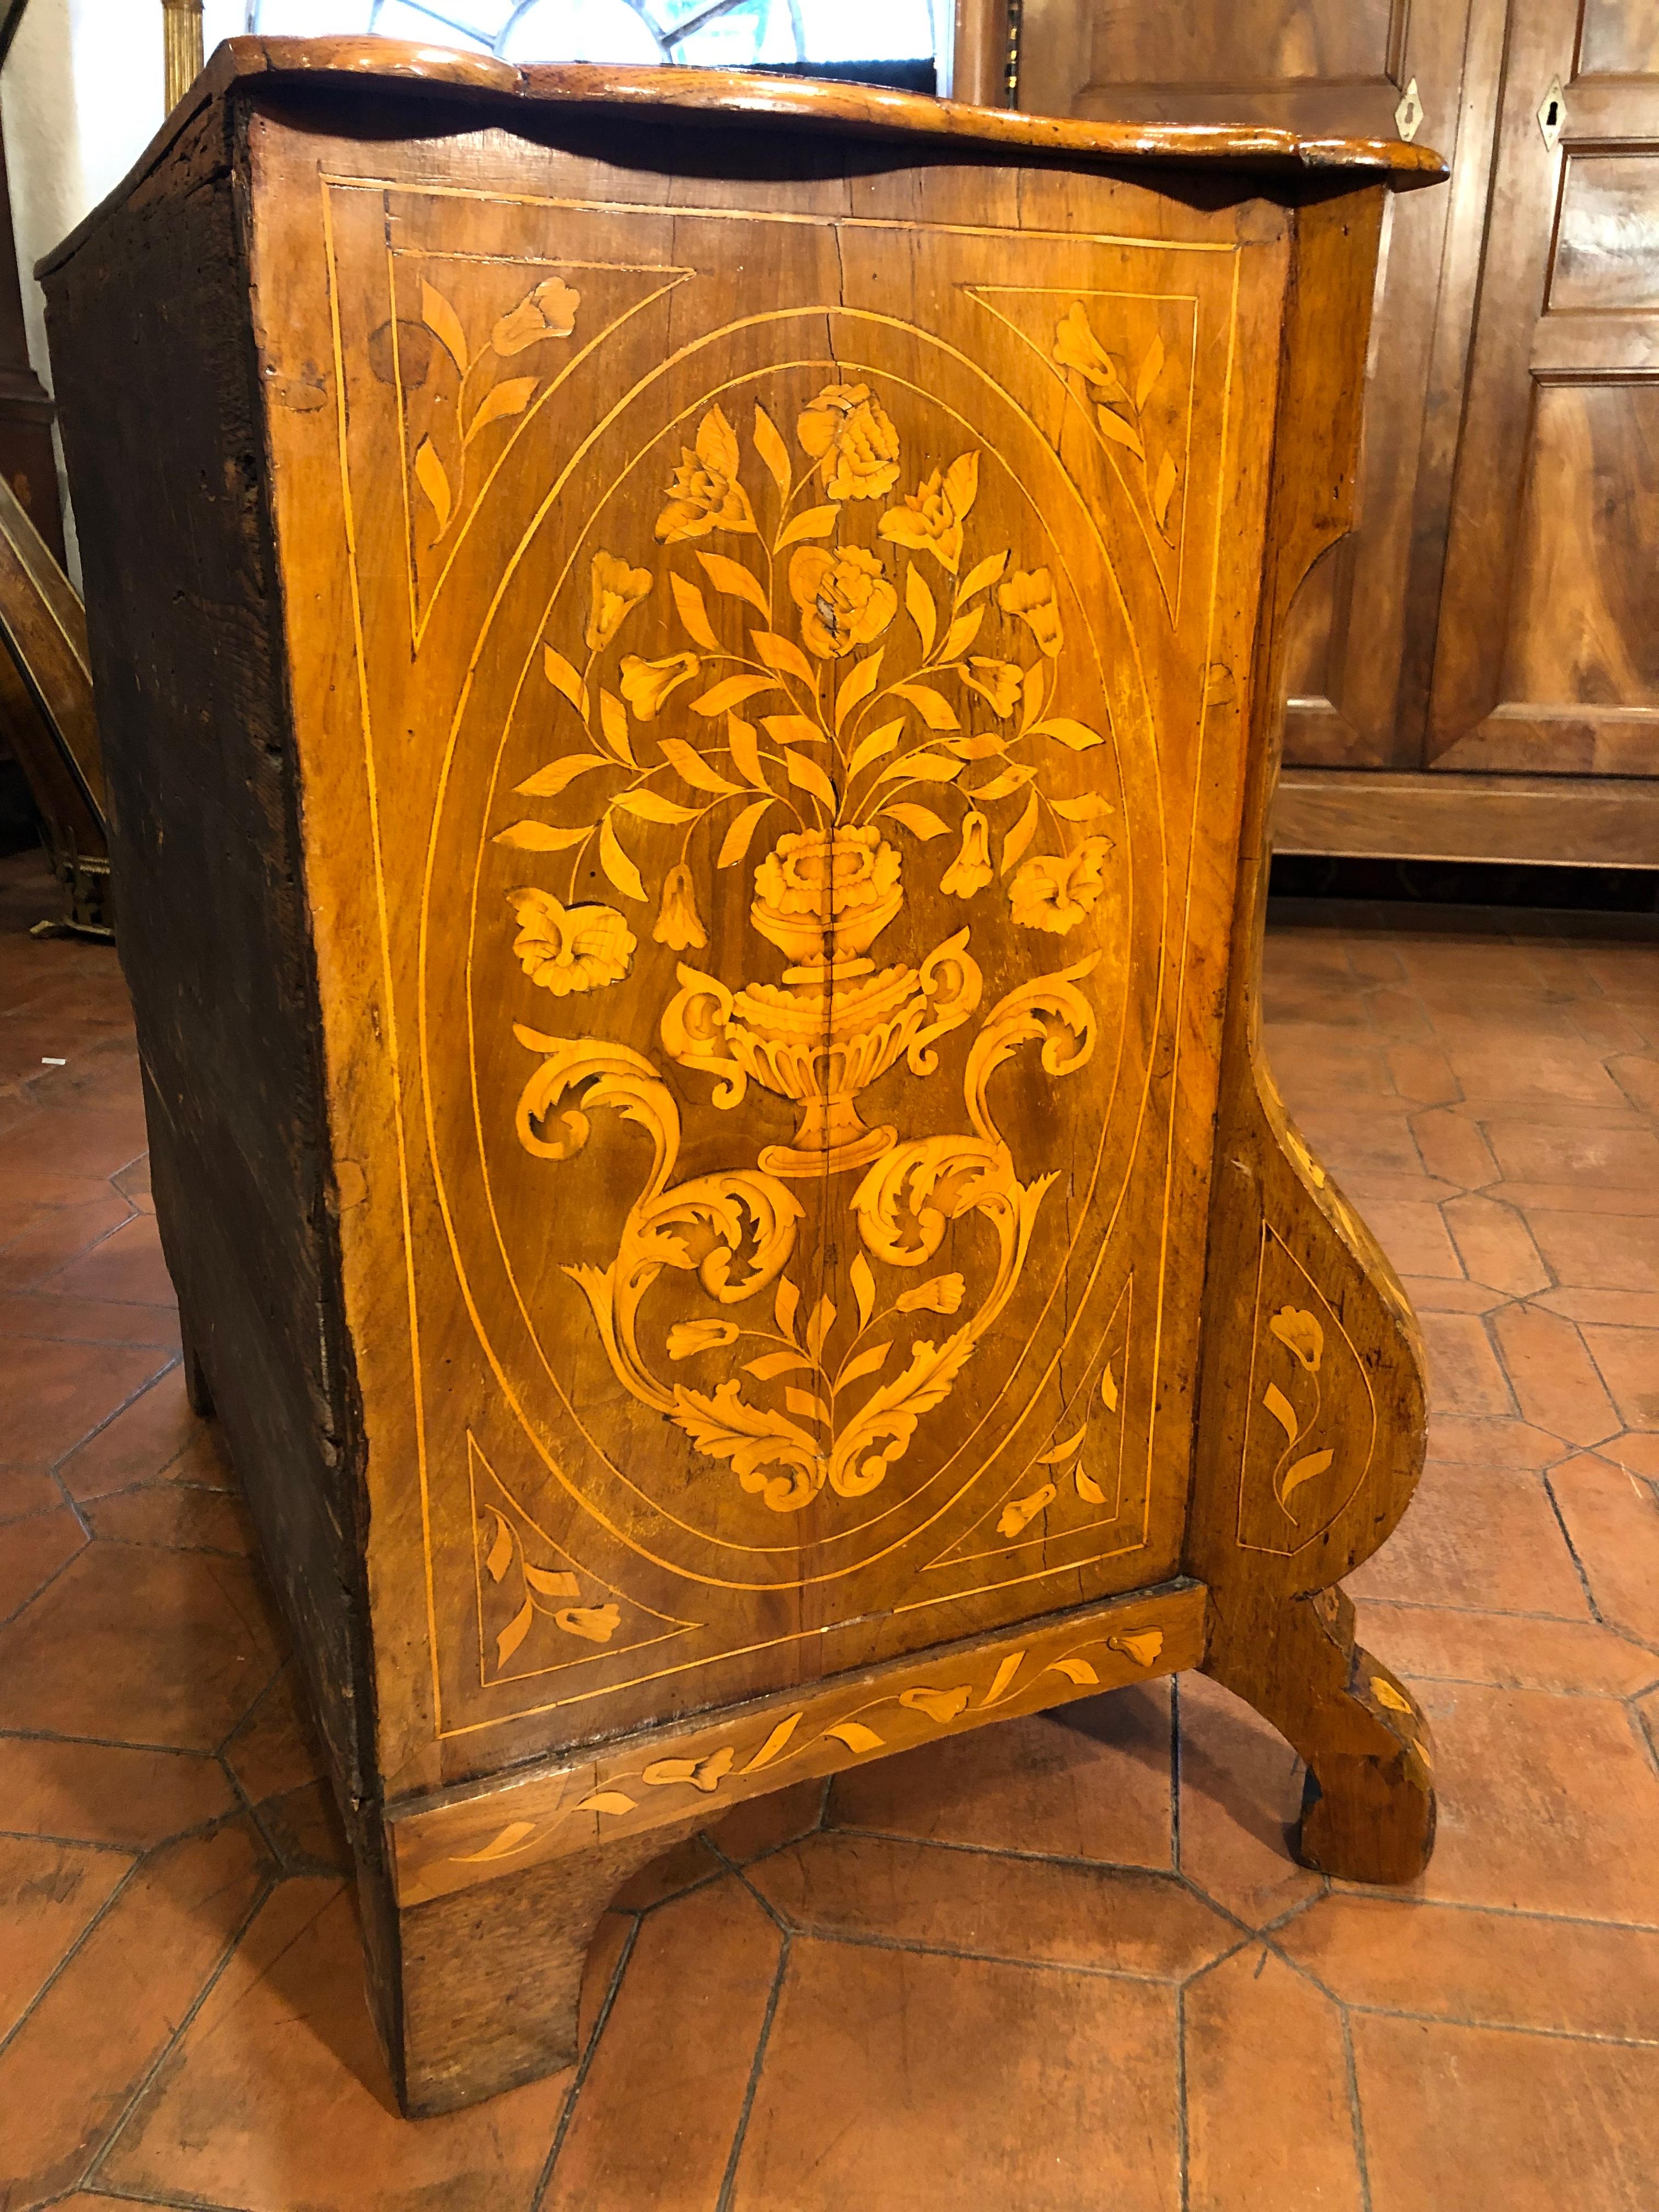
(860, 779)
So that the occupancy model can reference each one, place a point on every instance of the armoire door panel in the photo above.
(1617, 38)
(1547, 655)
(1337, 66)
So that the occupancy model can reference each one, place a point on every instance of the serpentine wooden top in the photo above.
(735, 96)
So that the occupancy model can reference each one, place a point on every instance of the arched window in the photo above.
(708, 34)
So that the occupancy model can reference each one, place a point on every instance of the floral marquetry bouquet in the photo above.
(801, 725)
(847, 729)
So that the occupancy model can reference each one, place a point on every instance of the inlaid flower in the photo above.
(1029, 593)
(846, 427)
(844, 597)
(705, 494)
(570, 948)
(679, 924)
(971, 869)
(1077, 347)
(647, 684)
(549, 312)
(829, 890)
(931, 518)
(998, 681)
(1298, 1329)
(688, 1337)
(1057, 890)
(617, 590)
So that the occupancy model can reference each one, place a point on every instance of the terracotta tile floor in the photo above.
(1061, 1964)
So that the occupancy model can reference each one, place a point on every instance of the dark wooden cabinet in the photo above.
(1474, 673)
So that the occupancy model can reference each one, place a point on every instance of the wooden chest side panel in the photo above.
(557, 438)
(163, 436)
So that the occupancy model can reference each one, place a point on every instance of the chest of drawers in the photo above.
(688, 670)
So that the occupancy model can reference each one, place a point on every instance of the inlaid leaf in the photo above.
(771, 1364)
(934, 708)
(819, 1324)
(430, 476)
(735, 843)
(918, 606)
(1164, 492)
(858, 685)
(618, 865)
(510, 397)
(605, 1800)
(1087, 1488)
(921, 821)
(1108, 1388)
(861, 1277)
(731, 691)
(1064, 1451)
(1013, 778)
(688, 764)
(564, 678)
(1075, 1670)
(815, 522)
(785, 1306)
(866, 1364)
(1151, 369)
(594, 1624)
(1077, 735)
(735, 580)
(855, 1735)
(514, 1634)
(444, 324)
(976, 749)
(981, 573)
(744, 745)
(1386, 1694)
(1020, 1511)
(1002, 1680)
(1020, 836)
(785, 655)
(1282, 1411)
(500, 1557)
(804, 1406)
(769, 445)
(806, 775)
(941, 1705)
(1119, 431)
(774, 1743)
(872, 746)
(693, 610)
(551, 1583)
(961, 634)
(927, 767)
(541, 836)
(651, 807)
(791, 730)
(1301, 1471)
(547, 782)
(1088, 808)
(1032, 686)
(613, 727)
(513, 1838)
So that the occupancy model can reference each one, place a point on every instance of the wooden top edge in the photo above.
(734, 95)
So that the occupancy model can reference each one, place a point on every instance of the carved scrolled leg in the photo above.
(1368, 1806)
(477, 1992)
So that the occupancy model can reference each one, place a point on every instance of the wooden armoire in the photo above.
(1474, 673)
